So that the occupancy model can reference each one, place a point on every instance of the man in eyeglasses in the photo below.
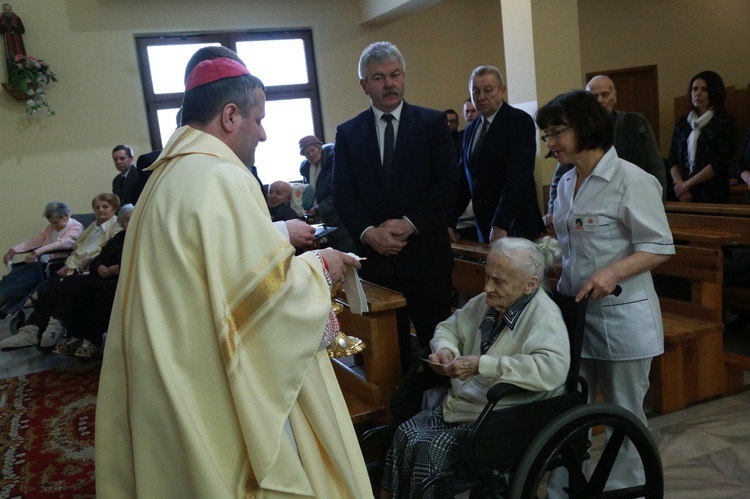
(634, 139)
(497, 164)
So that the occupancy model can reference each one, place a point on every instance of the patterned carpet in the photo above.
(47, 433)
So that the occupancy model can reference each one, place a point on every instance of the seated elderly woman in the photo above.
(512, 333)
(60, 235)
(87, 247)
(83, 303)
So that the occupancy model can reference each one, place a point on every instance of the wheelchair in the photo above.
(17, 311)
(510, 452)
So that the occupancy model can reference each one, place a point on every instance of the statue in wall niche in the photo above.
(11, 27)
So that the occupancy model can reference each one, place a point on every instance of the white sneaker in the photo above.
(28, 336)
(52, 334)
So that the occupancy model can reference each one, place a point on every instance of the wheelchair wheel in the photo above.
(17, 322)
(565, 442)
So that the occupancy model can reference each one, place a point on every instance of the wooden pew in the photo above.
(718, 209)
(707, 237)
(368, 398)
(733, 297)
(692, 366)
(738, 193)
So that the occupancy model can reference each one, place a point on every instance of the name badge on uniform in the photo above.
(588, 223)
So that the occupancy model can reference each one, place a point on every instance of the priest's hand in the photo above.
(337, 263)
(301, 234)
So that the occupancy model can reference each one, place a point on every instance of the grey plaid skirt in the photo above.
(423, 445)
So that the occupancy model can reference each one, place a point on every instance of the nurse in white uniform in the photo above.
(612, 230)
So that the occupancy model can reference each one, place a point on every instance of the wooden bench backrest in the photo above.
(739, 225)
(468, 277)
(703, 267)
(720, 209)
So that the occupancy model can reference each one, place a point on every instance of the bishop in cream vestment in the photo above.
(213, 384)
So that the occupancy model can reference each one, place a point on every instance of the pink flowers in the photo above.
(30, 75)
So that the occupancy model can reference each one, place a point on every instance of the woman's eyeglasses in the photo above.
(553, 135)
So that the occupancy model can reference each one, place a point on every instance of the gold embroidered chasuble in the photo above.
(213, 347)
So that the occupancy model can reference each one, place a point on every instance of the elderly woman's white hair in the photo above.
(124, 211)
(542, 255)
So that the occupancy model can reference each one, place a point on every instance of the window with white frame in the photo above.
(283, 60)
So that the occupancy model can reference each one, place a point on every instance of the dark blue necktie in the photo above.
(388, 146)
(480, 139)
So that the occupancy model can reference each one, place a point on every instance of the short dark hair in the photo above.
(716, 91)
(450, 111)
(123, 147)
(208, 53)
(583, 113)
(202, 103)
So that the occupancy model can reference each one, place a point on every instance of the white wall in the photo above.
(99, 102)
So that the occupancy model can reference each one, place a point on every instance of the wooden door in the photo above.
(637, 90)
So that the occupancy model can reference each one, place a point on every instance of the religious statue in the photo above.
(11, 27)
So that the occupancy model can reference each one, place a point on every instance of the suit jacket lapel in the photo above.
(371, 146)
(469, 132)
(405, 129)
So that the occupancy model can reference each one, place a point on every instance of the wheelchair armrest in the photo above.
(378, 432)
(502, 390)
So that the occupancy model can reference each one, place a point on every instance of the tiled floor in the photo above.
(705, 448)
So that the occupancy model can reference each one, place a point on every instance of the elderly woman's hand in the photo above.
(63, 271)
(463, 368)
(439, 360)
(32, 257)
(8, 256)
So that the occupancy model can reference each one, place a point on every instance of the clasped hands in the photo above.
(682, 191)
(389, 237)
(463, 367)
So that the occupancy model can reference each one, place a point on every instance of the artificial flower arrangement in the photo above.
(31, 75)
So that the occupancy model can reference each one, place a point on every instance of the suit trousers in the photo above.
(428, 302)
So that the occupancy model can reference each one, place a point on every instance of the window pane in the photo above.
(275, 62)
(167, 64)
(286, 122)
(167, 123)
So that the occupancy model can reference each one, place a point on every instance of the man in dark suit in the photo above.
(124, 183)
(393, 187)
(497, 163)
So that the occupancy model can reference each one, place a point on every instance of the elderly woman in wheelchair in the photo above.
(512, 333)
(61, 234)
(88, 246)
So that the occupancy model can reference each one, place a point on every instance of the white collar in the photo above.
(396, 113)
